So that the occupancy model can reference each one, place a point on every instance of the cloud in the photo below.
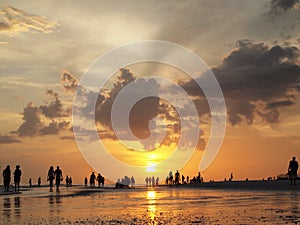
(69, 81)
(281, 6)
(257, 80)
(54, 108)
(36, 118)
(15, 21)
(54, 128)
(8, 139)
(32, 123)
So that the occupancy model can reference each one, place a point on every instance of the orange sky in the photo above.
(254, 55)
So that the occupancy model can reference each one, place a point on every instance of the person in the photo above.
(132, 181)
(70, 181)
(58, 177)
(177, 175)
(157, 181)
(30, 182)
(67, 180)
(102, 181)
(6, 177)
(292, 170)
(50, 177)
(92, 179)
(17, 178)
(99, 178)
(39, 181)
(85, 181)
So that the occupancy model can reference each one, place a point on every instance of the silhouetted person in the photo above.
(170, 177)
(153, 180)
(50, 177)
(6, 177)
(39, 181)
(146, 180)
(70, 181)
(99, 178)
(17, 178)
(30, 182)
(292, 170)
(85, 181)
(102, 181)
(157, 181)
(177, 175)
(132, 181)
(67, 181)
(182, 179)
(92, 179)
(58, 177)
(231, 177)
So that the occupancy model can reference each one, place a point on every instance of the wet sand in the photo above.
(185, 204)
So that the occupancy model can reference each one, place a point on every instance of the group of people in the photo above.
(69, 181)
(151, 181)
(100, 180)
(177, 179)
(125, 182)
(7, 178)
(54, 175)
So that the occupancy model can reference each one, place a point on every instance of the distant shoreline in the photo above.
(259, 185)
(267, 185)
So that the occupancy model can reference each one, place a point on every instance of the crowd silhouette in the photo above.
(56, 177)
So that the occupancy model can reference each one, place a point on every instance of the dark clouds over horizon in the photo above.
(257, 80)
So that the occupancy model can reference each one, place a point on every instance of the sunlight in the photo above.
(151, 168)
(151, 196)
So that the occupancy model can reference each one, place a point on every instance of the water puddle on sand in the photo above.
(150, 206)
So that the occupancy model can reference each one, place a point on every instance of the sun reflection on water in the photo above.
(151, 198)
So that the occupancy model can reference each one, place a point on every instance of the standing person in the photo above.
(99, 178)
(17, 178)
(92, 179)
(39, 181)
(6, 177)
(30, 182)
(85, 181)
(292, 170)
(102, 181)
(132, 181)
(67, 180)
(50, 177)
(58, 177)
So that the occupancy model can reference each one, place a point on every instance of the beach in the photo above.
(217, 203)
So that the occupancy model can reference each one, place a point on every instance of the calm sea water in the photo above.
(150, 206)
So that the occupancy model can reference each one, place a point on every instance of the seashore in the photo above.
(258, 202)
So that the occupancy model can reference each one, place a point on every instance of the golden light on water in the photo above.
(151, 198)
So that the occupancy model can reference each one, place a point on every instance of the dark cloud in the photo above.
(8, 139)
(54, 128)
(32, 123)
(35, 118)
(54, 108)
(278, 104)
(257, 79)
(281, 6)
(69, 81)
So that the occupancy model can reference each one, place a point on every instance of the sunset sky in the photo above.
(252, 47)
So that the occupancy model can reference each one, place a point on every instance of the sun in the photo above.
(151, 168)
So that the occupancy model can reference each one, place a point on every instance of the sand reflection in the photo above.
(151, 199)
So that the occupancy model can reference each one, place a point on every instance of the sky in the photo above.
(251, 47)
